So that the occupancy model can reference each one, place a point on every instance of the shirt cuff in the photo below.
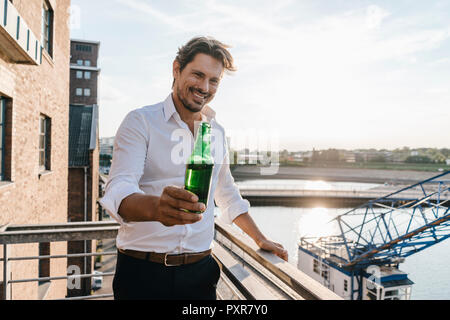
(113, 198)
(230, 213)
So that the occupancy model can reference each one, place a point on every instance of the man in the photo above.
(165, 252)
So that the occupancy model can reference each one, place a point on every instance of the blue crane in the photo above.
(399, 224)
(386, 230)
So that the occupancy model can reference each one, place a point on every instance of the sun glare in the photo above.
(317, 185)
(316, 223)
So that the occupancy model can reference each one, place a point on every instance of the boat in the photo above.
(324, 259)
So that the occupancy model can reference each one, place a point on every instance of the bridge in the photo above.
(286, 196)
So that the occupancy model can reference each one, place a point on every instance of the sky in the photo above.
(318, 74)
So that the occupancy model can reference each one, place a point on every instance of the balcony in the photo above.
(17, 41)
(247, 272)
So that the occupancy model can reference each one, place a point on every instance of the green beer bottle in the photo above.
(200, 165)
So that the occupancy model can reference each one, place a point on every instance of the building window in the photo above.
(44, 264)
(316, 266)
(79, 74)
(87, 63)
(44, 142)
(18, 28)
(2, 137)
(87, 74)
(47, 28)
(82, 47)
(5, 138)
(325, 271)
(80, 62)
(79, 92)
(87, 92)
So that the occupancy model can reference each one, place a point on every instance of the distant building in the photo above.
(34, 121)
(83, 150)
(389, 156)
(84, 72)
(106, 152)
(399, 157)
(247, 157)
(370, 156)
(307, 156)
(447, 161)
(349, 157)
(297, 156)
(106, 145)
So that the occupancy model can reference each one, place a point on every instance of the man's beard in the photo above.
(187, 105)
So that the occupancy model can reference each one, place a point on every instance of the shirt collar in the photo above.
(207, 112)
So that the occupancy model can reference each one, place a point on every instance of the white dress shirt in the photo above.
(150, 154)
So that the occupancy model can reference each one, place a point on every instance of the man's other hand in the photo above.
(273, 247)
(172, 203)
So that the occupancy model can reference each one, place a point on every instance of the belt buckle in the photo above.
(169, 265)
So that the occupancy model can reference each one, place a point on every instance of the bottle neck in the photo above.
(202, 148)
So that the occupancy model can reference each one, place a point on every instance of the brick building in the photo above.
(34, 121)
(83, 183)
(84, 144)
(84, 72)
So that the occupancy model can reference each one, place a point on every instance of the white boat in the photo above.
(326, 263)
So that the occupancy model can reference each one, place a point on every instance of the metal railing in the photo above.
(28, 234)
(247, 272)
(294, 192)
(281, 278)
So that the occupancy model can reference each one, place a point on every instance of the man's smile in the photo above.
(201, 97)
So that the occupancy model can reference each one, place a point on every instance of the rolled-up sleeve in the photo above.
(127, 167)
(227, 195)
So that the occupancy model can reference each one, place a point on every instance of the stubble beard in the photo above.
(187, 105)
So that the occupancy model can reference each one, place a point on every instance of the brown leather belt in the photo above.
(167, 259)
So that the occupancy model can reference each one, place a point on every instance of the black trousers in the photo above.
(137, 279)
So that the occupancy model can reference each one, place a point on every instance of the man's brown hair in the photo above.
(206, 45)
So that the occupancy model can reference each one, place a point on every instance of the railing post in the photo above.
(6, 273)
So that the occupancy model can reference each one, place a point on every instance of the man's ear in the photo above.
(176, 69)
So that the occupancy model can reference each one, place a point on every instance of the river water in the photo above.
(428, 269)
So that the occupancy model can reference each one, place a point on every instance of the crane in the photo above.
(385, 231)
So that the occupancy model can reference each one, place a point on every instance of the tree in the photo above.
(418, 159)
